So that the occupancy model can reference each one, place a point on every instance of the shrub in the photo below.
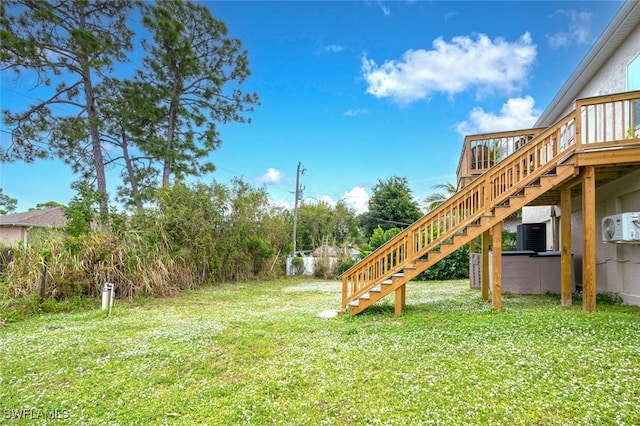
(454, 266)
(297, 265)
(345, 265)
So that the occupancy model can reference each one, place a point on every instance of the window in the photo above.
(633, 75)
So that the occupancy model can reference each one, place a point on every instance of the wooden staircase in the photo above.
(439, 248)
(549, 159)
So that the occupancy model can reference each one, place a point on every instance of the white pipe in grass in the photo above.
(108, 295)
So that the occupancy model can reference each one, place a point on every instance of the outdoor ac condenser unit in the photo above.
(621, 228)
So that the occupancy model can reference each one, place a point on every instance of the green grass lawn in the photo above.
(258, 353)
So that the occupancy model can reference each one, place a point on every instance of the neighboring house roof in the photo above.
(35, 218)
(621, 26)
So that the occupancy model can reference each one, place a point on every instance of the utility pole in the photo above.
(295, 206)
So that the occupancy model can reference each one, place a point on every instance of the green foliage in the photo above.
(222, 232)
(47, 205)
(321, 269)
(82, 212)
(7, 204)
(192, 69)
(319, 221)
(391, 204)
(88, 38)
(434, 200)
(297, 265)
(454, 266)
(609, 299)
(509, 240)
(160, 126)
(193, 235)
(377, 239)
(344, 265)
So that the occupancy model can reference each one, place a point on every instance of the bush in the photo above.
(345, 265)
(454, 266)
(297, 265)
(187, 236)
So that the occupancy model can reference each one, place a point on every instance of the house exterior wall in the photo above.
(612, 78)
(10, 235)
(617, 265)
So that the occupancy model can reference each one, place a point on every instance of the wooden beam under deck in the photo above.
(484, 284)
(588, 239)
(566, 279)
(400, 299)
(610, 157)
(496, 247)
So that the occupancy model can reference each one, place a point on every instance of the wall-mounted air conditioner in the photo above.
(621, 228)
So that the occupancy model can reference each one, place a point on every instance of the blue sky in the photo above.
(359, 91)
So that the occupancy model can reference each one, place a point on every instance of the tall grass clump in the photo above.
(186, 237)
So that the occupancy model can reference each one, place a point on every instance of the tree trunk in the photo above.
(92, 116)
(132, 176)
(168, 161)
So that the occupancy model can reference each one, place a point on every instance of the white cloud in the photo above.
(333, 48)
(384, 8)
(272, 176)
(516, 113)
(322, 199)
(578, 30)
(464, 63)
(357, 199)
(282, 203)
(355, 111)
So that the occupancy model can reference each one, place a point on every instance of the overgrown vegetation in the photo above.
(191, 236)
(257, 353)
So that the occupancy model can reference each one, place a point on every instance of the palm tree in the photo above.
(434, 200)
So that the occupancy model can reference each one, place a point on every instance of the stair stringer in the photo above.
(496, 214)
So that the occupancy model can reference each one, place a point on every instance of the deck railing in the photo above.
(482, 152)
(599, 121)
(606, 120)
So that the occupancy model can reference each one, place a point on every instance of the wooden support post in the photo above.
(588, 239)
(496, 247)
(566, 269)
(400, 294)
(484, 284)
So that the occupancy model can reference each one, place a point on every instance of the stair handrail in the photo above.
(479, 190)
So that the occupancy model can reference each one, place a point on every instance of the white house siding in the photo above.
(617, 265)
(612, 77)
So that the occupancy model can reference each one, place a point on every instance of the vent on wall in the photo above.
(621, 228)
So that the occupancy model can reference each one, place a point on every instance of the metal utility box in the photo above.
(531, 236)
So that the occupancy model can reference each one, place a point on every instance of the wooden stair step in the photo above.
(354, 303)
(377, 289)
(365, 296)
